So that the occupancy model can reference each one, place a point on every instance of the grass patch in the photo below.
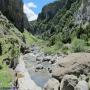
(30, 39)
(5, 77)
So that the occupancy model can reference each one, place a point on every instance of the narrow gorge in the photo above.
(49, 53)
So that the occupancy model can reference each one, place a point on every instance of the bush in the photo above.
(65, 49)
(59, 44)
(78, 45)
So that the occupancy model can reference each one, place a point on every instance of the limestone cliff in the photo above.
(13, 9)
(83, 14)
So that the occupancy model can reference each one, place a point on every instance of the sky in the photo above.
(33, 7)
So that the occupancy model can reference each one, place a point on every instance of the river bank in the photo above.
(25, 82)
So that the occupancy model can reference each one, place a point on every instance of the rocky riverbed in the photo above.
(40, 65)
(58, 72)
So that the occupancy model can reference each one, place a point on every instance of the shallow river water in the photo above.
(41, 77)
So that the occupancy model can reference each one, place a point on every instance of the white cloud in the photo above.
(31, 5)
(29, 12)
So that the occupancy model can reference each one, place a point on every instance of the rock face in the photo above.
(83, 14)
(13, 9)
(50, 10)
(27, 26)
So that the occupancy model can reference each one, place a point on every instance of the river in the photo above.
(39, 77)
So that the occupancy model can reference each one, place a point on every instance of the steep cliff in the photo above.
(83, 14)
(63, 20)
(50, 10)
(13, 9)
(11, 40)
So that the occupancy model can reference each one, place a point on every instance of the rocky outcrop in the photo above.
(13, 9)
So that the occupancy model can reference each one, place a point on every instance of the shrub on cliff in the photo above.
(78, 45)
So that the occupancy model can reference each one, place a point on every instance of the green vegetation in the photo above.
(60, 30)
(30, 39)
(10, 42)
(5, 78)
(78, 45)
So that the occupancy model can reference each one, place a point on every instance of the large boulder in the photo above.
(52, 84)
(76, 64)
(68, 82)
(82, 85)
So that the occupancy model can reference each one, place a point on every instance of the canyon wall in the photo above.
(13, 10)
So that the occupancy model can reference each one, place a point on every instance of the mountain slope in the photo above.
(64, 20)
(11, 40)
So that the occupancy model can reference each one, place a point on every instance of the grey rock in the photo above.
(52, 84)
(47, 58)
(68, 82)
(82, 85)
(39, 68)
(83, 14)
(39, 58)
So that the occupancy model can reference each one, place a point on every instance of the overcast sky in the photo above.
(33, 7)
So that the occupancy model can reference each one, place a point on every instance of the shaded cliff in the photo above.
(13, 10)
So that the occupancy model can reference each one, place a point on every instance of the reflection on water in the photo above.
(40, 78)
